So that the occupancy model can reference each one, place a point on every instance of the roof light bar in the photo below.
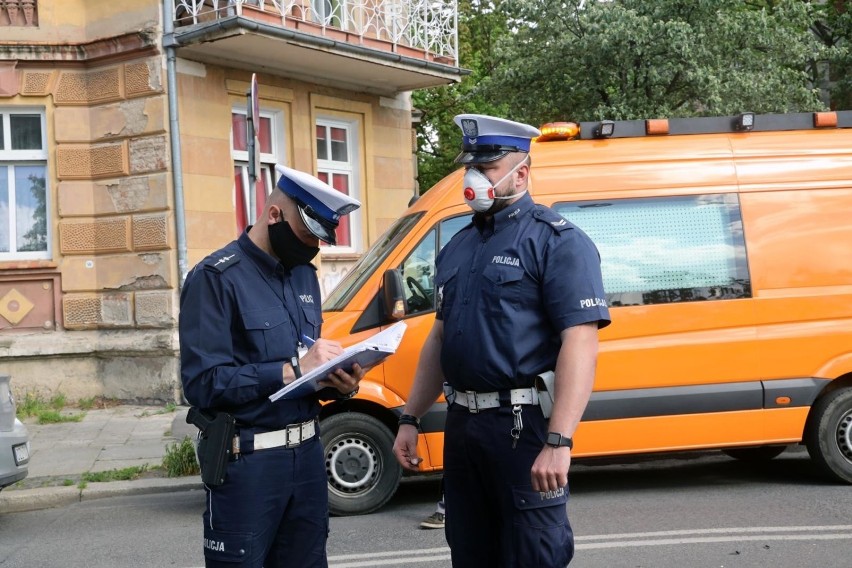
(558, 131)
(655, 126)
(605, 129)
(745, 122)
(825, 119)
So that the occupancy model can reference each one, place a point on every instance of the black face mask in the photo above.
(288, 248)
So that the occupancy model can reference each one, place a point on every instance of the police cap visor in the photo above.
(317, 224)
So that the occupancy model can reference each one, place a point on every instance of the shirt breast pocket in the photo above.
(312, 315)
(446, 284)
(501, 290)
(270, 332)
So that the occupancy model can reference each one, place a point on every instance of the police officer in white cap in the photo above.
(247, 311)
(514, 290)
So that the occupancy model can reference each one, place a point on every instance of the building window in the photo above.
(337, 157)
(666, 249)
(248, 205)
(24, 196)
(329, 13)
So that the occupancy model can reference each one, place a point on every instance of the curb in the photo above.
(21, 500)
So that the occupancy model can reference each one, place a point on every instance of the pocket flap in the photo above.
(312, 314)
(444, 277)
(227, 546)
(526, 498)
(264, 319)
(499, 274)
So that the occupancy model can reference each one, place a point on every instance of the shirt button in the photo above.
(266, 323)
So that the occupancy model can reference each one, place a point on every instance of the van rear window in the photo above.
(666, 249)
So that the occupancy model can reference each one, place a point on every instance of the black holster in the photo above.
(215, 443)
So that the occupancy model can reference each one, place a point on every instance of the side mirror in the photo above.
(393, 295)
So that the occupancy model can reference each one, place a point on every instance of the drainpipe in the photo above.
(174, 139)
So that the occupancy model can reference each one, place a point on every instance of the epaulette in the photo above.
(547, 215)
(221, 262)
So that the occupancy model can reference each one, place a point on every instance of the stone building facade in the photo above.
(98, 219)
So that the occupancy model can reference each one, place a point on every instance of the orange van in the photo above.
(726, 251)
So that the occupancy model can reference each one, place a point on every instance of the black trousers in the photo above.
(494, 518)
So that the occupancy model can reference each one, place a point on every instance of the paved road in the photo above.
(687, 512)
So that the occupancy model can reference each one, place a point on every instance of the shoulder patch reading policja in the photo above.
(221, 262)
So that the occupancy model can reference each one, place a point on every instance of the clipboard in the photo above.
(367, 353)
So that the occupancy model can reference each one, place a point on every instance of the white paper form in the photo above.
(367, 353)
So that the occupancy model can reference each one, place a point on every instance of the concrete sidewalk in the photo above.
(105, 439)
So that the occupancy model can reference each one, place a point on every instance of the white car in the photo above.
(14, 439)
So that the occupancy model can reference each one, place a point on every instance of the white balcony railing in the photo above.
(428, 25)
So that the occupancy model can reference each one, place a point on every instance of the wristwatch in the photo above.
(557, 440)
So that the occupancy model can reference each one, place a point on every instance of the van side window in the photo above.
(418, 269)
(666, 249)
(418, 275)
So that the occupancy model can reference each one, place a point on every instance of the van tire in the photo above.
(829, 434)
(755, 454)
(363, 473)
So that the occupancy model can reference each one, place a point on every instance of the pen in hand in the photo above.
(307, 340)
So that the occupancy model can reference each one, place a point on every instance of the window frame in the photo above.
(352, 168)
(11, 159)
(268, 160)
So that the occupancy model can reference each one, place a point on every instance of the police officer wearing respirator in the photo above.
(519, 303)
(247, 313)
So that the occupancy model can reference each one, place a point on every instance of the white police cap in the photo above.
(320, 205)
(489, 138)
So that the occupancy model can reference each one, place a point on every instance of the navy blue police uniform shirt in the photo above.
(241, 317)
(507, 289)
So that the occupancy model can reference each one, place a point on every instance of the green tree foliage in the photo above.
(542, 60)
(834, 30)
(482, 26)
(626, 59)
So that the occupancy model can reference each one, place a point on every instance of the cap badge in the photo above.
(470, 128)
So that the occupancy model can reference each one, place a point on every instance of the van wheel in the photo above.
(757, 454)
(829, 434)
(363, 473)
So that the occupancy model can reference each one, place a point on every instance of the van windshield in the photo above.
(364, 268)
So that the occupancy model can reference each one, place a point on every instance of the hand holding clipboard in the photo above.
(367, 353)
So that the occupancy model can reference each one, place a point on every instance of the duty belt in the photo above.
(289, 437)
(476, 401)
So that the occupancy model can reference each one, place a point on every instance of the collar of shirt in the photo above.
(268, 263)
(505, 216)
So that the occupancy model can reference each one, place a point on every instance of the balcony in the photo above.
(378, 46)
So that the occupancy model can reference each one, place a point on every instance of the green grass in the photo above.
(126, 474)
(54, 417)
(180, 459)
(47, 411)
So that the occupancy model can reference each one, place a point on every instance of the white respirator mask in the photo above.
(479, 191)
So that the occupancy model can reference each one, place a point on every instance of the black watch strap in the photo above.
(409, 419)
(557, 440)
